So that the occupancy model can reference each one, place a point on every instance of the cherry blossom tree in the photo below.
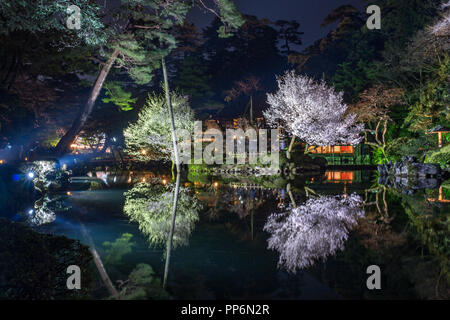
(317, 229)
(312, 111)
(442, 27)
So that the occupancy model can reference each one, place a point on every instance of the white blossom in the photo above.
(312, 111)
(313, 231)
(442, 27)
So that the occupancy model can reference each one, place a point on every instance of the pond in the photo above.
(247, 237)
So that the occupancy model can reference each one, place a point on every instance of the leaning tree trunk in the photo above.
(172, 119)
(78, 124)
(177, 163)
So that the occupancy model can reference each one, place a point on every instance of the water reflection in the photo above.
(406, 234)
(45, 209)
(150, 205)
(314, 230)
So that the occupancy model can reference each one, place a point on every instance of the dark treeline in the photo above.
(43, 85)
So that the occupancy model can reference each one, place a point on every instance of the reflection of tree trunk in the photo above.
(69, 137)
(172, 119)
(99, 264)
(172, 229)
(291, 196)
(251, 222)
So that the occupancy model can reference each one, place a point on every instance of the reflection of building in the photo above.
(340, 176)
(440, 197)
(337, 155)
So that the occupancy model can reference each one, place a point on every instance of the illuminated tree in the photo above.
(150, 137)
(313, 231)
(312, 111)
(373, 108)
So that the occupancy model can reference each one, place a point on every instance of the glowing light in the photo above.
(26, 158)
(164, 181)
(216, 184)
(69, 193)
(114, 139)
(31, 175)
(2, 161)
(144, 152)
(30, 211)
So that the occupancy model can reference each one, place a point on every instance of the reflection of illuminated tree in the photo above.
(313, 231)
(151, 207)
(117, 249)
(45, 210)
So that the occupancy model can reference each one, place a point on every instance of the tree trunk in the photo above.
(291, 145)
(69, 137)
(251, 110)
(172, 119)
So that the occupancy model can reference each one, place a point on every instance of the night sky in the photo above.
(310, 14)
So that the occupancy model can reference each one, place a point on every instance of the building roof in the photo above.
(438, 128)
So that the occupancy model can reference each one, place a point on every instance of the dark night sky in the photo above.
(310, 14)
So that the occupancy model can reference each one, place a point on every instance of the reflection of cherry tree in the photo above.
(313, 231)
(151, 207)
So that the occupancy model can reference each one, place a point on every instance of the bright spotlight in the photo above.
(30, 212)
(31, 175)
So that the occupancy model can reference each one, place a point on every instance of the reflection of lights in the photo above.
(115, 179)
(30, 175)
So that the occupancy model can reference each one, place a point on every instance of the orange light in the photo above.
(69, 193)
(144, 152)
(216, 184)
(164, 181)
(2, 161)
(26, 159)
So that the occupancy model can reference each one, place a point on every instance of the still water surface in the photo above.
(241, 238)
